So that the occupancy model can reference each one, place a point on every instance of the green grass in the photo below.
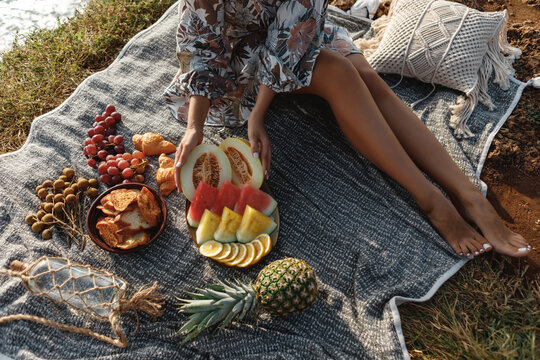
(487, 310)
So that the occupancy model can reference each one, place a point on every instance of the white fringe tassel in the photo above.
(499, 58)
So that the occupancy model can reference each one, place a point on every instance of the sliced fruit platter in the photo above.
(229, 217)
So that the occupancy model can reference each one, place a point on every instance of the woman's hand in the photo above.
(259, 141)
(192, 138)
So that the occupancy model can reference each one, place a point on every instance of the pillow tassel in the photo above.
(369, 46)
(461, 112)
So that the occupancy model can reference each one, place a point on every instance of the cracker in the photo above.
(122, 198)
(149, 207)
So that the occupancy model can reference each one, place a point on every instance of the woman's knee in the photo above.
(334, 69)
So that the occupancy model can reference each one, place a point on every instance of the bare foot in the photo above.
(478, 210)
(453, 228)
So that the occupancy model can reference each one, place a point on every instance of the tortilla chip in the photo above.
(129, 242)
(108, 231)
(122, 198)
(149, 206)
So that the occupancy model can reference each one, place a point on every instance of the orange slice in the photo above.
(259, 250)
(250, 256)
(266, 241)
(211, 248)
(232, 254)
(242, 252)
(226, 251)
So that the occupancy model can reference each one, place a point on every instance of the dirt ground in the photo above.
(512, 167)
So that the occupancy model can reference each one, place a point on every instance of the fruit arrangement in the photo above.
(129, 217)
(123, 168)
(106, 151)
(236, 237)
(63, 202)
(282, 287)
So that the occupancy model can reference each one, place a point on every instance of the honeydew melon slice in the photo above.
(207, 227)
(230, 222)
(246, 169)
(206, 163)
(254, 223)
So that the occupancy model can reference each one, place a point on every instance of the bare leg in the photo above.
(338, 82)
(418, 141)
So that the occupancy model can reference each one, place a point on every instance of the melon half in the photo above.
(206, 163)
(246, 169)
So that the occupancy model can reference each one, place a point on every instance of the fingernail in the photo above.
(481, 250)
(476, 253)
(461, 254)
(179, 164)
(266, 173)
(256, 155)
(529, 246)
(486, 246)
(468, 254)
(522, 249)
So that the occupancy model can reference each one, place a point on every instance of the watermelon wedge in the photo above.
(257, 199)
(227, 197)
(204, 198)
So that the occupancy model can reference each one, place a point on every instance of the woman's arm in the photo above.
(258, 137)
(198, 109)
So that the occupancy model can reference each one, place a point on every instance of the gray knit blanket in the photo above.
(369, 244)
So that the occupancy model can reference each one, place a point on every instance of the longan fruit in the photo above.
(75, 188)
(67, 184)
(64, 178)
(68, 172)
(58, 184)
(93, 182)
(39, 187)
(48, 219)
(69, 191)
(58, 198)
(58, 207)
(48, 207)
(38, 226)
(49, 198)
(47, 183)
(83, 183)
(42, 193)
(92, 192)
(30, 219)
(46, 234)
(40, 214)
(71, 199)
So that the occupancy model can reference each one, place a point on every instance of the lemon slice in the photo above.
(266, 241)
(224, 253)
(232, 254)
(211, 248)
(250, 256)
(242, 251)
(259, 250)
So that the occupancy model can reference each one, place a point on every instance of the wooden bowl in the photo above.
(274, 216)
(94, 213)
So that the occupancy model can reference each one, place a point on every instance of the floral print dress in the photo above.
(227, 48)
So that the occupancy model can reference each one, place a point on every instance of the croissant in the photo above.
(152, 144)
(165, 175)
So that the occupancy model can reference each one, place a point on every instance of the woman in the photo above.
(235, 55)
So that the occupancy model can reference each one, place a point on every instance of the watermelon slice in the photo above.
(227, 197)
(204, 198)
(257, 199)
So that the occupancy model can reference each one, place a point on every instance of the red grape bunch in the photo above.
(101, 140)
(124, 168)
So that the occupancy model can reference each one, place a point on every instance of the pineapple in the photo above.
(284, 286)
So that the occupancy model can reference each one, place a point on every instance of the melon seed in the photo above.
(42, 193)
(47, 183)
(58, 184)
(46, 234)
(206, 169)
(30, 219)
(92, 192)
(37, 226)
(40, 214)
(68, 172)
(58, 198)
(239, 165)
(93, 182)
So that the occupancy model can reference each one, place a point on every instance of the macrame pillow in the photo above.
(446, 43)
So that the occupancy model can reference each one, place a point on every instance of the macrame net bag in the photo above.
(95, 292)
(445, 43)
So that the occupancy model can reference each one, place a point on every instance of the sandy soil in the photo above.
(512, 167)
